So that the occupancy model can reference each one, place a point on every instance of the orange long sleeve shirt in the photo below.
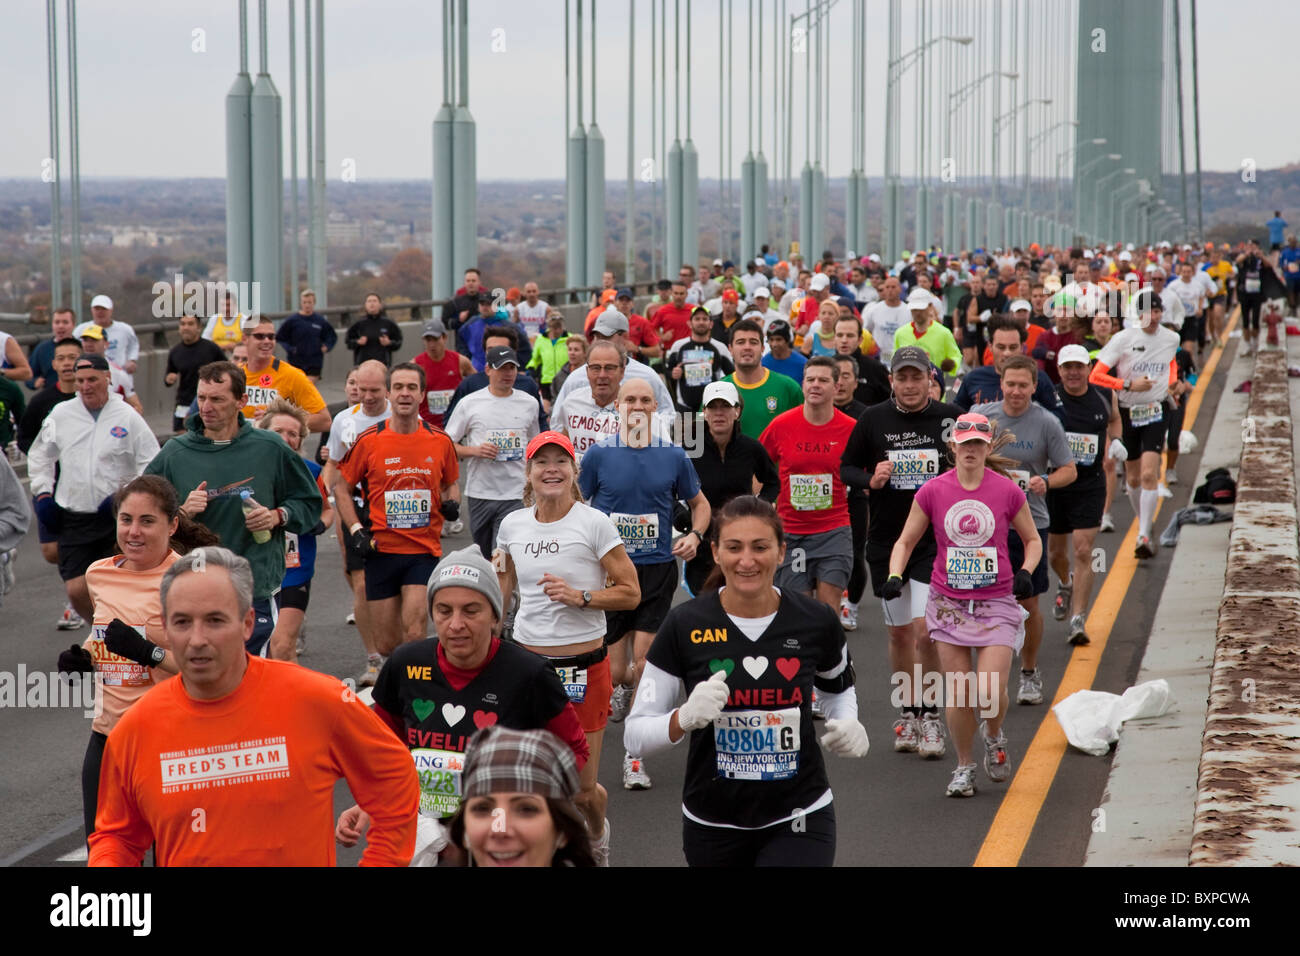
(248, 779)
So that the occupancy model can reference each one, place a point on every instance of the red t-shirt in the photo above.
(812, 498)
(640, 332)
(672, 322)
(440, 381)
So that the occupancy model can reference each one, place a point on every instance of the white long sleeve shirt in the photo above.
(96, 456)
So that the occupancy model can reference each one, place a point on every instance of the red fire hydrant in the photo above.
(1273, 319)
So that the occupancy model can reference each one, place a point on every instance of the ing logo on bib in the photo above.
(969, 523)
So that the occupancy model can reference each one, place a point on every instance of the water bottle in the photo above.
(248, 504)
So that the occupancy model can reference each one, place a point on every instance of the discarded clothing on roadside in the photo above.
(1196, 514)
(1092, 719)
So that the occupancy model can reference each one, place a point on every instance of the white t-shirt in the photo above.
(882, 321)
(789, 299)
(570, 548)
(1132, 353)
(532, 317)
(123, 345)
(1189, 293)
(119, 380)
(753, 280)
(508, 422)
(348, 426)
(634, 369)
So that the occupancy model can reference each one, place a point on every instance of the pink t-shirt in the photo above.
(970, 528)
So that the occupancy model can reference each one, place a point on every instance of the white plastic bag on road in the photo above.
(1091, 719)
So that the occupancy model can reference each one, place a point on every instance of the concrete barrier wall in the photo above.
(1248, 799)
(159, 401)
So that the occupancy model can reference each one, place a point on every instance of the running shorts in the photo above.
(823, 557)
(658, 585)
(1139, 439)
(1076, 507)
(387, 574)
(1016, 552)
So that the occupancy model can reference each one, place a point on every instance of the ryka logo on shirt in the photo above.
(117, 431)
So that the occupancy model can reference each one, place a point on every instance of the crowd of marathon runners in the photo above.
(677, 503)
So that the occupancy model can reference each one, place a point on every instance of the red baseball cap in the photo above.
(730, 295)
(549, 438)
(968, 427)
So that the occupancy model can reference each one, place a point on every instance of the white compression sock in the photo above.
(1134, 498)
(1147, 511)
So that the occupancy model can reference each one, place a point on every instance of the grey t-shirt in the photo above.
(1039, 445)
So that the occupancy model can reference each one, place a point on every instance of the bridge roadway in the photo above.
(890, 807)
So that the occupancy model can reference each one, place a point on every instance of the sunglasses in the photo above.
(982, 427)
(261, 336)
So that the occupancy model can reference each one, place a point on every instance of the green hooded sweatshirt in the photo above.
(254, 459)
(549, 355)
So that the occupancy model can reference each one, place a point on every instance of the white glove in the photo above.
(846, 738)
(705, 702)
(430, 839)
(1117, 450)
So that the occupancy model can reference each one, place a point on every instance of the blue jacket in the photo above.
(983, 384)
(470, 339)
(303, 335)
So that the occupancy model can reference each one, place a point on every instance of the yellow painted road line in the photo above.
(1010, 830)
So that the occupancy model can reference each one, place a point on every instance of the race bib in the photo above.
(1083, 447)
(116, 671)
(757, 744)
(438, 401)
(292, 555)
(574, 680)
(439, 775)
(1021, 478)
(970, 568)
(810, 492)
(913, 468)
(698, 373)
(509, 442)
(640, 533)
(1252, 283)
(408, 508)
(1148, 414)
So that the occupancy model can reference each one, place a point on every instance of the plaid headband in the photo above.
(502, 760)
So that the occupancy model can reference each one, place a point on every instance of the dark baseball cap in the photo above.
(501, 355)
(624, 294)
(780, 327)
(910, 356)
(97, 362)
(484, 296)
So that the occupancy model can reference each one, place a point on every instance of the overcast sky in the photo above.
(152, 106)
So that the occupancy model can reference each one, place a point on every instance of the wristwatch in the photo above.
(157, 655)
(586, 598)
(698, 535)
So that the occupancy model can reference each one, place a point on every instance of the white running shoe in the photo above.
(1163, 490)
(371, 673)
(70, 620)
(620, 702)
(350, 619)
(600, 848)
(996, 762)
(634, 775)
(1171, 477)
(848, 615)
(932, 743)
(1031, 688)
(456, 527)
(963, 781)
(1078, 633)
(1107, 522)
(907, 734)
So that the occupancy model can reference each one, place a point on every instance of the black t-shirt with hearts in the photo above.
(760, 761)
(515, 688)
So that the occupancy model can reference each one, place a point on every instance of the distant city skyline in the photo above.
(153, 107)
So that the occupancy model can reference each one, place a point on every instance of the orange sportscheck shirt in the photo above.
(248, 780)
